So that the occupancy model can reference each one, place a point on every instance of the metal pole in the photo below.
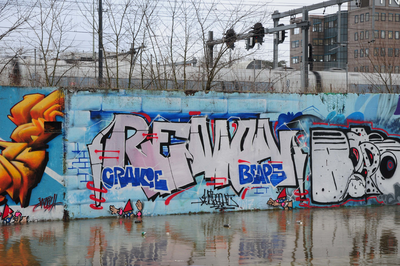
(304, 63)
(275, 60)
(339, 37)
(94, 48)
(100, 43)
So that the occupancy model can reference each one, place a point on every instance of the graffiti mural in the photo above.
(352, 163)
(304, 160)
(30, 178)
(23, 160)
(163, 158)
(179, 153)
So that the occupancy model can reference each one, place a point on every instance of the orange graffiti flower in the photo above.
(23, 161)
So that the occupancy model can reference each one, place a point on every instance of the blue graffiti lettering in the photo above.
(145, 177)
(257, 174)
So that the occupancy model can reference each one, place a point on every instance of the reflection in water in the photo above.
(357, 236)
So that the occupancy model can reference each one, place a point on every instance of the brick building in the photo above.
(374, 36)
(370, 38)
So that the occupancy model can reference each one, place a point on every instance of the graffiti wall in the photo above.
(31, 159)
(138, 153)
(134, 154)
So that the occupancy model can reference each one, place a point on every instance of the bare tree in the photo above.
(13, 16)
(50, 28)
(182, 34)
(378, 60)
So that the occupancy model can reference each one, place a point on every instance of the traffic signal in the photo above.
(230, 38)
(258, 31)
(281, 34)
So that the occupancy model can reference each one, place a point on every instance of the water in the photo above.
(340, 236)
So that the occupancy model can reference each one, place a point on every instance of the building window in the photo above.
(390, 34)
(366, 16)
(295, 44)
(362, 69)
(376, 16)
(376, 68)
(356, 69)
(383, 51)
(356, 19)
(355, 53)
(295, 60)
(390, 68)
(396, 69)
(362, 18)
(317, 27)
(382, 68)
(397, 35)
(318, 42)
(376, 51)
(397, 18)
(390, 52)
(361, 35)
(390, 17)
(366, 52)
(366, 34)
(361, 52)
(383, 16)
(376, 34)
(396, 52)
(383, 34)
(356, 36)
(296, 31)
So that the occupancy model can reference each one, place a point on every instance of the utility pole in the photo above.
(304, 63)
(100, 43)
(276, 42)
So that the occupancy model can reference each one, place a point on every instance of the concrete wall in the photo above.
(155, 153)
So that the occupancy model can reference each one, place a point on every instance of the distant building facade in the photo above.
(374, 36)
(323, 37)
(370, 38)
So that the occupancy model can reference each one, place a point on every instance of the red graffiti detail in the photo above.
(242, 161)
(143, 114)
(247, 189)
(216, 184)
(47, 203)
(274, 162)
(244, 192)
(150, 135)
(97, 151)
(107, 157)
(89, 185)
(168, 200)
(298, 193)
(194, 113)
(275, 125)
(92, 197)
(234, 125)
(212, 129)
